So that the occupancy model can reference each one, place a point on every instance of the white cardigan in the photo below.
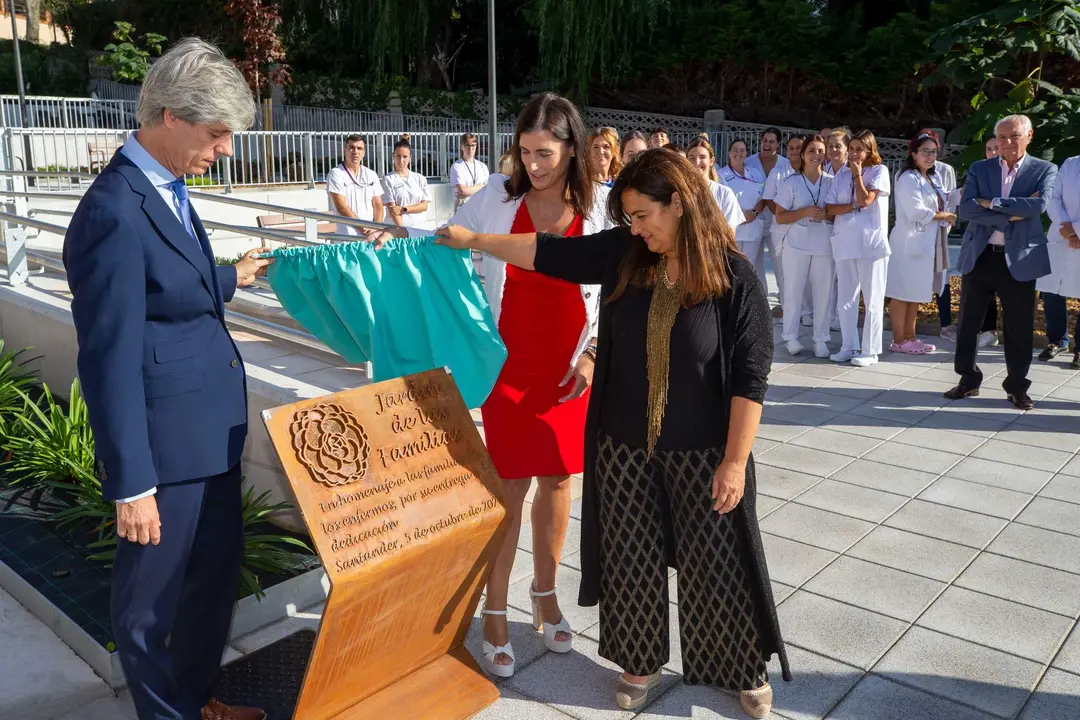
(491, 211)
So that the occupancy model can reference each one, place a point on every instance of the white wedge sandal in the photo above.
(549, 629)
(490, 651)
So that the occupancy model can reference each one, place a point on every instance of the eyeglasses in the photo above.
(928, 152)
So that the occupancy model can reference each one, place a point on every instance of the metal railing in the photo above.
(66, 112)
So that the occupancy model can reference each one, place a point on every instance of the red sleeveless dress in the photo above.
(528, 431)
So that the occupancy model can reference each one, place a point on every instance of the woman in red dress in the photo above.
(534, 419)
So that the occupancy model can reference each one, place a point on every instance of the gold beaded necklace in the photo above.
(663, 308)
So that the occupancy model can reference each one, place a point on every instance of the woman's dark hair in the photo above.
(558, 116)
(807, 139)
(774, 131)
(868, 141)
(734, 142)
(674, 147)
(705, 241)
(466, 137)
(913, 148)
(403, 142)
(700, 142)
(632, 135)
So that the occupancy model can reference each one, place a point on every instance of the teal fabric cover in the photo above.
(408, 307)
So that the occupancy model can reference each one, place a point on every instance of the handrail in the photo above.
(49, 173)
(30, 222)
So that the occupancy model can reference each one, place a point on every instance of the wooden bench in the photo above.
(291, 223)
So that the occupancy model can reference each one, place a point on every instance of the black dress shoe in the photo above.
(1021, 401)
(1051, 352)
(960, 392)
(1075, 364)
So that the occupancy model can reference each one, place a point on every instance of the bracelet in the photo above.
(589, 352)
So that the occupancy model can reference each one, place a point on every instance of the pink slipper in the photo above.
(929, 348)
(912, 347)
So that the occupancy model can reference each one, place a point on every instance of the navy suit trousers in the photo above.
(172, 603)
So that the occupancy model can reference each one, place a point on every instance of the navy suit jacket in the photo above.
(163, 381)
(1029, 196)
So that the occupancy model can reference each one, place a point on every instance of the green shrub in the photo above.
(15, 380)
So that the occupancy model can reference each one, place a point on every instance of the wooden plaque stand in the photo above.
(406, 512)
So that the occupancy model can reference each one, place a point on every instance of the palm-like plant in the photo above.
(265, 552)
(15, 380)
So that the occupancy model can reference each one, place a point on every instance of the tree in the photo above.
(33, 21)
(1006, 55)
(264, 55)
(128, 62)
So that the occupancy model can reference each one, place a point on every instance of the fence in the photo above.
(62, 112)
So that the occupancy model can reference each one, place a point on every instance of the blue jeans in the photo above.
(1057, 319)
(944, 308)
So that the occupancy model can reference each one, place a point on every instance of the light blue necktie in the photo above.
(179, 188)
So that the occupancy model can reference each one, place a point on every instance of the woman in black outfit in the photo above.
(685, 346)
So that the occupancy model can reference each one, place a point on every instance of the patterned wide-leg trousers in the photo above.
(717, 626)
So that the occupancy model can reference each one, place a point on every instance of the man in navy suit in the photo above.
(165, 385)
(1003, 251)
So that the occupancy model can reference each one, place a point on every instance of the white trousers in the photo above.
(776, 250)
(868, 277)
(800, 270)
(753, 253)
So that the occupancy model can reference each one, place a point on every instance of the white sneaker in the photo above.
(988, 339)
(864, 360)
(795, 347)
(843, 356)
(807, 321)
(821, 350)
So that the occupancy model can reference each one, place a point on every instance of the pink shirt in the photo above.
(1007, 179)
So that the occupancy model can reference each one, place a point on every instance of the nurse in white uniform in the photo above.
(467, 175)
(701, 156)
(921, 217)
(1064, 245)
(859, 202)
(807, 254)
(405, 193)
(748, 186)
(774, 233)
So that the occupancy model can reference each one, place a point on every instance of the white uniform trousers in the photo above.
(802, 269)
(753, 253)
(867, 276)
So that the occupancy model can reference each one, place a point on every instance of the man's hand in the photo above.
(984, 202)
(138, 521)
(1016, 218)
(251, 266)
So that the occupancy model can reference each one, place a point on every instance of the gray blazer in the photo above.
(1025, 239)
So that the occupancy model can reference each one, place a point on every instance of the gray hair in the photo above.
(198, 84)
(1024, 120)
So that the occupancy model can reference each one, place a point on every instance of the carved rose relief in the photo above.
(330, 443)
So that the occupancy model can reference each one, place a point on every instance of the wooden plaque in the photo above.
(406, 512)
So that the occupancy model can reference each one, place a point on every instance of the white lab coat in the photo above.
(914, 237)
(1064, 277)
(728, 204)
(404, 191)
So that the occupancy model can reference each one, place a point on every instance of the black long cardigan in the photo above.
(745, 332)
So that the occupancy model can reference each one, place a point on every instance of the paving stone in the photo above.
(773, 429)
(514, 706)
(817, 684)
(805, 415)
(1025, 456)
(806, 460)
(1072, 467)
(40, 675)
(915, 458)
(865, 426)
(793, 563)
(863, 503)
(861, 393)
(107, 708)
(1001, 474)
(891, 365)
(766, 505)
(761, 445)
(975, 497)
(876, 588)
(1057, 697)
(978, 676)
(1069, 656)
(1040, 437)
(1042, 587)
(1036, 545)
(883, 411)
(1063, 487)
(947, 523)
(837, 442)
(792, 377)
(917, 393)
(815, 527)
(1052, 515)
(695, 702)
(842, 632)
(781, 592)
(881, 699)
(887, 478)
(780, 393)
(828, 401)
(783, 483)
(979, 426)
(1030, 633)
(820, 370)
(1061, 419)
(528, 644)
(937, 439)
(912, 553)
(590, 695)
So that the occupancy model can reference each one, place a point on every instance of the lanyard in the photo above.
(736, 173)
(355, 180)
(814, 199)
(472, 173)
